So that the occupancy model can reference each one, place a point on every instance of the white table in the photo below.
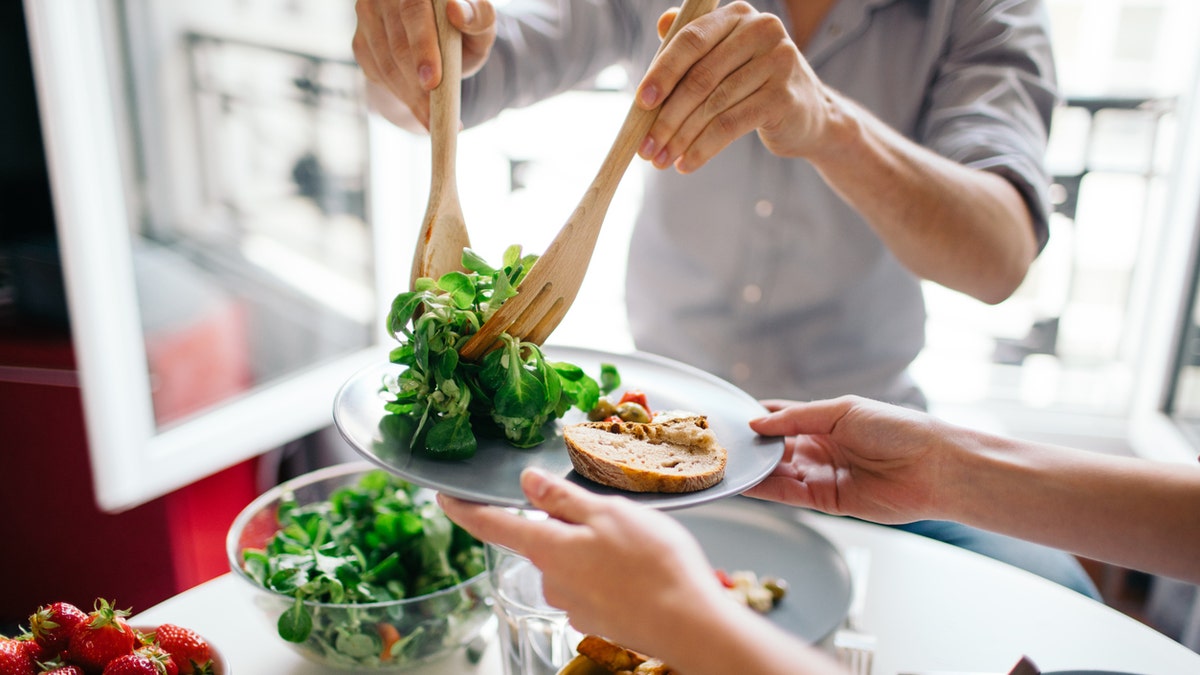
(931, 605)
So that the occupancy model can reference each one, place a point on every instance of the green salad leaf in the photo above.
(373, 541)
(514, 389)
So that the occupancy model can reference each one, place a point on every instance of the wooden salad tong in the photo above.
(443, 234)
(547, 292)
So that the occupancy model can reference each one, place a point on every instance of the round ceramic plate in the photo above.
(492, 475)
(745, 534)
(765, 538)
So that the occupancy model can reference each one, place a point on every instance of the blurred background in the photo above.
(228, 225)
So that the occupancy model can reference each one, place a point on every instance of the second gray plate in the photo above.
(746, 534)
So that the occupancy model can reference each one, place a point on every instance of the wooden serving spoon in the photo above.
(443, 234)
(547, 292)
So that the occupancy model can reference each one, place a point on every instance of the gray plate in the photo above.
(492, 475)
(745, 534)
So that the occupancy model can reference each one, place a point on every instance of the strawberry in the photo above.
(189, 651)
(62, 669)
(15, 659)
(100, 638)
(52, 624)
(133, 664)
(160, 657)
(35, 651)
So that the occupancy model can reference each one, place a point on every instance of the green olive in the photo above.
(604, 409)
(633, 412)
(777, 587)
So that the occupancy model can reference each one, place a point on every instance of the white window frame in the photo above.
(1152, 432)
(134, 460)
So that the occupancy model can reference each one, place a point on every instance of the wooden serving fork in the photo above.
(547, 292)
(443, 234)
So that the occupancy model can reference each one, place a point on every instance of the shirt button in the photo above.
(752, 293)
(763, 208)
(741, 372)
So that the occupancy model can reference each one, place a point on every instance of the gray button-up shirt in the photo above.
(752, 268)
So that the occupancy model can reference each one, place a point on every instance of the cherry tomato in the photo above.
(724, 578)
(637, 397)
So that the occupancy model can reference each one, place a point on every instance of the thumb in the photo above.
(472, 17)
(559, 498)
(665, 21)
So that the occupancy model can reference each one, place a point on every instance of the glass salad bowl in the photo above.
(358, 570)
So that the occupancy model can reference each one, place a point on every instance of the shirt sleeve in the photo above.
(546, 47)
(992, 98)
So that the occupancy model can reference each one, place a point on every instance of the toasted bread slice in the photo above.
(596, 652)
(609, 654)
(678, 454)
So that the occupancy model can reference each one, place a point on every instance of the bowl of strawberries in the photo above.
(63, 639)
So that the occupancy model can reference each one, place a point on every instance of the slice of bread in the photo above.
(677, 454)
(610, 657)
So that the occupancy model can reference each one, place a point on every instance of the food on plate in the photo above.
(598, 655)
(64, 640)
(633, 407)
(760, 594)
(358, 567)
(513, 389)
(672, 453)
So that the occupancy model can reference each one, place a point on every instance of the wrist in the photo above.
(842, 130)
(975, 466)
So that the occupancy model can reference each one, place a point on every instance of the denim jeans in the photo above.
(1051, 563)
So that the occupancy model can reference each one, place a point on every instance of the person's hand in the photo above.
(396, 45)
(727, 73)
(629, 573)
(854, 456)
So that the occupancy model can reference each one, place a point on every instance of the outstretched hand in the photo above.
(620, 570)
(854, 456)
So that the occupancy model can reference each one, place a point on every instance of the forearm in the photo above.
(544, 48)
(1130, 512)
(729, 638)
(963, 228)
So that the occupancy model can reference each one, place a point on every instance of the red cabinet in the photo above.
(57, 544)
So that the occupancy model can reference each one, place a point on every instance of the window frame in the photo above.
(133, 459)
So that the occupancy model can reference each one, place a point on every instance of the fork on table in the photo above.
(855, 648)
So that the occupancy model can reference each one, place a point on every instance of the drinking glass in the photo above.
(535, 638)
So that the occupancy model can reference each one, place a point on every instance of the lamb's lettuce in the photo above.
(374, 541)
(514, 389)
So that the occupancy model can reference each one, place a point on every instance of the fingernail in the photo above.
(647, 149)
(662, 159)
(534, 482)
(425, 75)
(468, 12)
(648, 96)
